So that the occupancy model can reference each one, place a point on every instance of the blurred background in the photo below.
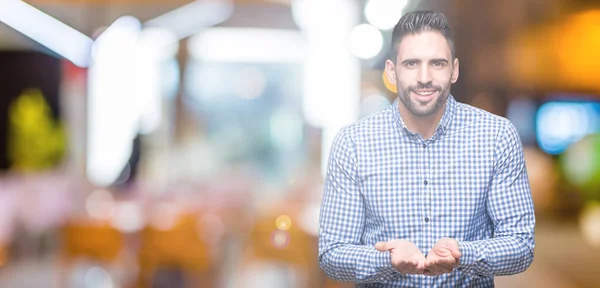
(182, 143)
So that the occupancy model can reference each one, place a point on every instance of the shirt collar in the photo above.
(444, 122)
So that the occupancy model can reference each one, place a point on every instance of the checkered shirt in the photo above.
(467, 182)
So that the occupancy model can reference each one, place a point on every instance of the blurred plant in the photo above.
(581, 166)
(36, 141)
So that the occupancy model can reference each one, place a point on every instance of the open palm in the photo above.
(406, 258)
(443, 257)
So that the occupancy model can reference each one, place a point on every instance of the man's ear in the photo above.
(455, 71)
(390, 71)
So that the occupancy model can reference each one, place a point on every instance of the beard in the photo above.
(427, 108)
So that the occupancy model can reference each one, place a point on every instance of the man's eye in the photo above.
(438, 64)
(411, 64)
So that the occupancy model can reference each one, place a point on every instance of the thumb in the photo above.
(381, 246)
(455, 251)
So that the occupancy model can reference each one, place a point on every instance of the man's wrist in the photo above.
(468, 253)
(383, 264)
(383, 259)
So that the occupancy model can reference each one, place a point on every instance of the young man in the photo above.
(428, 192)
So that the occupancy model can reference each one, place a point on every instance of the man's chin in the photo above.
(422, 114)
(418, 109)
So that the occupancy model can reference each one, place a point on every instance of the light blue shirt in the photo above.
(467, 182)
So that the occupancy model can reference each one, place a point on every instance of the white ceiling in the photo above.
(87, 18)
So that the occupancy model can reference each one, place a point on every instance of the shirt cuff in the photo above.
(383, 259)
(468, 253)
(383, 266)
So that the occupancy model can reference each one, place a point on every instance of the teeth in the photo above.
(425, 93)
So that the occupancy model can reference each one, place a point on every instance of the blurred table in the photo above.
(562, 259)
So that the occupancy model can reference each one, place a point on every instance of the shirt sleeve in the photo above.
(510, 207)
(342, 220)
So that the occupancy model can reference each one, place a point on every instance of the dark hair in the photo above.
(419, 21)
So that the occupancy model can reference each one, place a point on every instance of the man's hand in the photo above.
(442, 258)
(406, 257)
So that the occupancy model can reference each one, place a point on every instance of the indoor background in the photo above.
(149, 143)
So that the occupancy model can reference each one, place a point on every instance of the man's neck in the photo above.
(424, 126)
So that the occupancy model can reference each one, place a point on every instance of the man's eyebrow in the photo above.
(438, 60)
(411, 60)
(435, 60)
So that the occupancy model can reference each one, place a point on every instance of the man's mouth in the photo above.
(424, 94)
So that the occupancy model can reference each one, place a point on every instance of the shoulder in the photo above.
(492, 125)
(369, 127)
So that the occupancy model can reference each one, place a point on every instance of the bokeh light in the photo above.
(384, 14)
(365, 41)
(589, 223)
(283, 222)
(280, 239)
(559, 124)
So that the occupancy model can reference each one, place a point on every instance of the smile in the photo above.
(424, 95)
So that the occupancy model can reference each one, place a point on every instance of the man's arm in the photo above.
(510, 207)
(342, 221)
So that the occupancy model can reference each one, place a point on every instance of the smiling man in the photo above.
(429, 192)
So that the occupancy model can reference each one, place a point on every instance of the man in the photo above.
(428, 192)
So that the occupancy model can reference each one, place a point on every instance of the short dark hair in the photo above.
(419, 21)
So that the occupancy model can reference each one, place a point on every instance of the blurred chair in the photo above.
(330, 283)
(276, 242)
(3, 254)
(90, 240)
(177, 249)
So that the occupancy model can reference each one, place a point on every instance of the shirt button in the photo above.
(424, 145)
(425, 182)
(426, 219)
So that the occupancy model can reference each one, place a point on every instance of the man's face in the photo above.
(423, 72)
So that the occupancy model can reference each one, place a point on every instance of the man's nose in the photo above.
(424, 76)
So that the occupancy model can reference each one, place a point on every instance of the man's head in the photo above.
(422, 63)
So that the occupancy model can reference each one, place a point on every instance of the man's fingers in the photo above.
(434, 271)
(454, 249)
(418, 262)
(456, 254)
(443, 267)
(445, 264)
(430, 263)
(410, 266)
(439, 266)
(439, 260)
(381, 246)
(421, 265)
